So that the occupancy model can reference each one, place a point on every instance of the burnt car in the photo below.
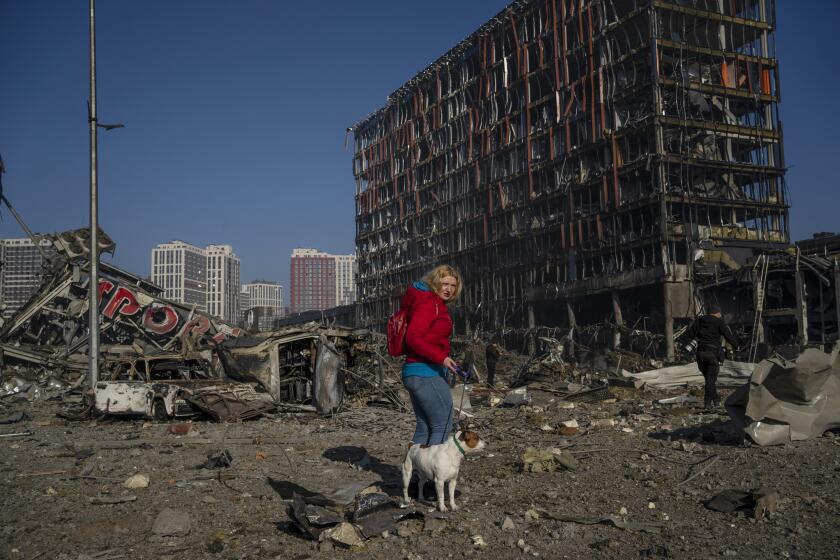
(165, 386)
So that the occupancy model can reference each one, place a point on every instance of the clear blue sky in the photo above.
(235, 115)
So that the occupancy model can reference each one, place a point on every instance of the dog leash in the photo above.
(465, 375)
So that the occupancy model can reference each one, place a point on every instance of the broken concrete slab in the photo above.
(172, 523)
(343, 534)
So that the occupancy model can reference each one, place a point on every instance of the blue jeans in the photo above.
(431, 400)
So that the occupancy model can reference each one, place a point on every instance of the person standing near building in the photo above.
(707, 330)
(427, 340)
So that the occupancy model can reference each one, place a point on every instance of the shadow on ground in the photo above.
(360, 458)
(718, 432)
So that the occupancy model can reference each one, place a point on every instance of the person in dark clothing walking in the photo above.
(707, 330)
(491, 356)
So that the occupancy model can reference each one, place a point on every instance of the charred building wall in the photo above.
(572, 158)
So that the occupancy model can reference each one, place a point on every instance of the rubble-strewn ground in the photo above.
(639, 465)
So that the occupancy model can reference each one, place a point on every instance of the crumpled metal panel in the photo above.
(788, 401)
(328, 386)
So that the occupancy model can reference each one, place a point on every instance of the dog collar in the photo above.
(458, 445)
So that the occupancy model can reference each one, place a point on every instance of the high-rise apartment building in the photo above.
(264, 293)
(312, 284)
(568, 156)
(266, 298)
(345, 279)
(244, 303)
(223, 282)
(21, 271)
(205, 277)
(181, 270)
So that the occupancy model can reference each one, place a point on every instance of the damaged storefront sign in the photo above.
(789, 400)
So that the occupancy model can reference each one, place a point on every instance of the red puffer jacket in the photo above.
(429, 325)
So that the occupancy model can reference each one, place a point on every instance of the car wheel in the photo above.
(159, 411)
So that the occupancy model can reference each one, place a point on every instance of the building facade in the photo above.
(181, 270)
(244, 303)
(205, 277)
(312, 283)
(223, 285)
(267, 299)
(573, 160)
(345, 279)
(21, 271)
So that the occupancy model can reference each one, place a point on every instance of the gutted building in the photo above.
(575, 159)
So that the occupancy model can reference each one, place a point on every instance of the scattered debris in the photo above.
(565, 459)
(614, 520)
(732, 374)
(311, 519)
(13, 418)
(538, 460)
(341, 495)
(137, 481)
(682, 399)
(344, 534)
(217, 460)
(231, 402)
(517, 397)
(375, 513)
(181, 428)
(110, 500)
(758, 503)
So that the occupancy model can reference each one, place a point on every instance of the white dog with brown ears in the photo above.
(440, 463)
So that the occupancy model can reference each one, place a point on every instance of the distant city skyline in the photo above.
(242, 142)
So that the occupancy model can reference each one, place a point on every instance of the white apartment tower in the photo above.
(21, 271)
(267, 298)
(223, 282)
(181, 270)
(345, 279)
(244, 303)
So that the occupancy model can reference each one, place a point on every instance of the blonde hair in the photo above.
(434, 279)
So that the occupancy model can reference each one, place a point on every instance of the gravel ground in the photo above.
(655, 468)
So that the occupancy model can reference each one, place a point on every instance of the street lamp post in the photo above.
(93, 339)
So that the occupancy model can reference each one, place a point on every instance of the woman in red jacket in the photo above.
(427, 359)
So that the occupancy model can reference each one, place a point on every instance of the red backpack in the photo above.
(397, 327)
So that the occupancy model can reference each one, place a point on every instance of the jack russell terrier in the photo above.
(440, 463)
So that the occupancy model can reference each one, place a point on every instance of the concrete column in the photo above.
(619, 320)
(669, 323)
(532, 323)
(837, 291)
(801, 309)
(572, 325)
(759, 298)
